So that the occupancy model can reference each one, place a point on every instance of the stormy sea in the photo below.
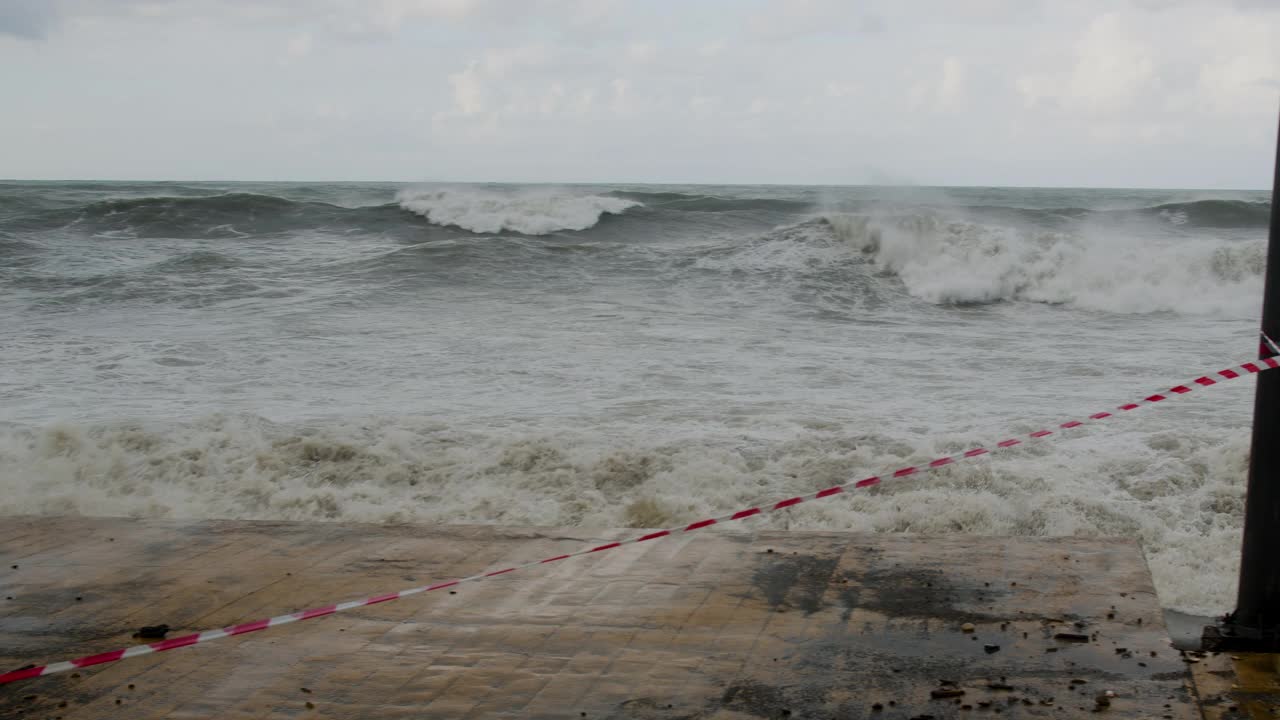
(640, 356)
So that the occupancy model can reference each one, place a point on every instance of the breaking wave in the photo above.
(960, 262)
(1181, 495)
(527, 211)
(530, 212)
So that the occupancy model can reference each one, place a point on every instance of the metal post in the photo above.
(1255, 623)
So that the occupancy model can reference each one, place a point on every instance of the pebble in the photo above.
(967, 627)
(946, 692)
(152, 632)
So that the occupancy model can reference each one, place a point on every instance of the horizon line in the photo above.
(617, 182)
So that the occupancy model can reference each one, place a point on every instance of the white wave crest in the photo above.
(530, 212)
(1181, 493)
(958, 262)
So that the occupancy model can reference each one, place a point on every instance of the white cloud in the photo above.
(951, 85)
(1000, 91)
(299, 45)
(1242, 74)
(641, 52)
(468, 90)
(1113, 67)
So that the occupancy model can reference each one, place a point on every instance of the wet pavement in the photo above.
(706, 625)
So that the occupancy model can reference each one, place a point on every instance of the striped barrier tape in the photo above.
(233, 630)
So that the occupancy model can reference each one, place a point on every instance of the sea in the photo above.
(634, 356)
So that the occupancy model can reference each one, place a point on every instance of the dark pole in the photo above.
(1255, 624)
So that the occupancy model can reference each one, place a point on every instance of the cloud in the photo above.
(983, 91)
(783, 19)
(299, 45)
(1113, 66)
(28, 19)
(951, 84)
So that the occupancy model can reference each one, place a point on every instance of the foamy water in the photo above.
(605, 356)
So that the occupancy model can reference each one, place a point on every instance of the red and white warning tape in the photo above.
(207, 635)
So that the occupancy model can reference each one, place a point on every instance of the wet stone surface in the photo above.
(701, 626)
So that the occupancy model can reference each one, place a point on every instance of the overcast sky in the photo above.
(1132, 93)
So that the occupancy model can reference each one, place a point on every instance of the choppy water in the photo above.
(617, 355)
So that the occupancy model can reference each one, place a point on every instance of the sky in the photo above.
(1079, 93)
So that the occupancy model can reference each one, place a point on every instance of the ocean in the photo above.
(641, 356)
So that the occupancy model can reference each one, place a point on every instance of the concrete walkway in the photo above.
(705, 625)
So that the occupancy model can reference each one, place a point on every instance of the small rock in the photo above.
(877, 707)
(1071, 637)
(152, 632)
(946, 692)
(991, 648)
(306, 690)
(311, 705)
(967, 627)
(1078, 681)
